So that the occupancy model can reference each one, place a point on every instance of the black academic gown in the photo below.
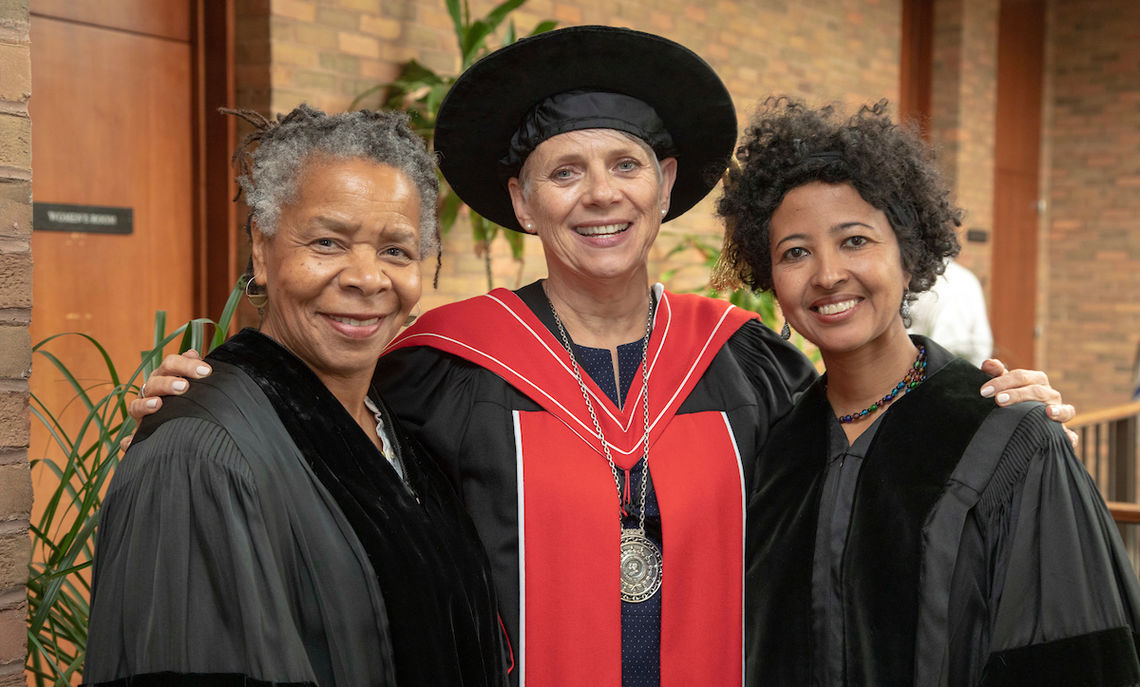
(476, 422)
(254, 535)
(955, 543)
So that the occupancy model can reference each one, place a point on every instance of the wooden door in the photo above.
(1013, 301)
(113, 124)
(916, 62)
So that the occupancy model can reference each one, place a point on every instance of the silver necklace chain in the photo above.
(594, 417)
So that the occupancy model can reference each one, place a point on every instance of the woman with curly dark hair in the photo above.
(901, 529)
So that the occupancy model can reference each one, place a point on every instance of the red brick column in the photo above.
(963, 113)
(1091, 248)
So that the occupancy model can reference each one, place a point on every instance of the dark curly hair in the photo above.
(269, 161)
(789, 144)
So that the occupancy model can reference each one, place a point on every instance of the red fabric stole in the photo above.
(571, 607)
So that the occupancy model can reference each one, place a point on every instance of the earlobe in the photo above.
(257, 254)
(518, 202)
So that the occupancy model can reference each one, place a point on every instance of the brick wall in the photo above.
(15, 345)
(252, 83)
(328, 51)
(963, 113)
(1091, 239)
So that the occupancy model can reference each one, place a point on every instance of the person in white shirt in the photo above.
(953, 313)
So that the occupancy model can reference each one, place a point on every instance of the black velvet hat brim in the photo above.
(489, 100)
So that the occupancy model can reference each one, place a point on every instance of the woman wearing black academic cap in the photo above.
(559, 394)
(546, 404)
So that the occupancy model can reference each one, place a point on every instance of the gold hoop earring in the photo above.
(257, 300)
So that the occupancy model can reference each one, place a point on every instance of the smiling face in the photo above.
(342, 272)
(595, 200)
(836, 268)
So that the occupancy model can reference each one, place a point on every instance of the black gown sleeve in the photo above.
(773, 366)
(1065, 600)
(434, 395)
(755, 379)
(187, 589)
(463, 415)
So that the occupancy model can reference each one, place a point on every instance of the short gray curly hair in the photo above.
(269, 161)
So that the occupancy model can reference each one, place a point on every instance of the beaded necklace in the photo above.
(914, 376)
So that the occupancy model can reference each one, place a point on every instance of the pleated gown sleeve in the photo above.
(1066, 597)
(221, 559)
(186, 581)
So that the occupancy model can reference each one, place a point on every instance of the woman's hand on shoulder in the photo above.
(170, 379)
(1014, 386)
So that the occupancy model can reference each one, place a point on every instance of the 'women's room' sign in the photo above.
(86, 218)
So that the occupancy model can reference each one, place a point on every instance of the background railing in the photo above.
(1110, 449)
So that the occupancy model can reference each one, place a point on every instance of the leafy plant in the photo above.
(418, 90)
(763, 302)
(59, 588)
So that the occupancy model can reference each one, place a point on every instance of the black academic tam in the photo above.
(489, 101)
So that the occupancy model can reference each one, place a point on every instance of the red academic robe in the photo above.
(568, 629)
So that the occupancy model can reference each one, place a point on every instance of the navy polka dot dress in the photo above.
(640, 622)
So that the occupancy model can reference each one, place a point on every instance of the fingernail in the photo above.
(181, 385)
(202, 370)
(152, 403)
(1003, 398)
(987, 391)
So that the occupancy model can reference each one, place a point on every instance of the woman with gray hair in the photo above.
(275, 524)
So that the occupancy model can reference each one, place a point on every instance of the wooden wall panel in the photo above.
(112, 115)
(165, 18)
(1013, 311)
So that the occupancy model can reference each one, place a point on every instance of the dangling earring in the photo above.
(412, 316)
(257, 300)
(786, 332)
(904, 310)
